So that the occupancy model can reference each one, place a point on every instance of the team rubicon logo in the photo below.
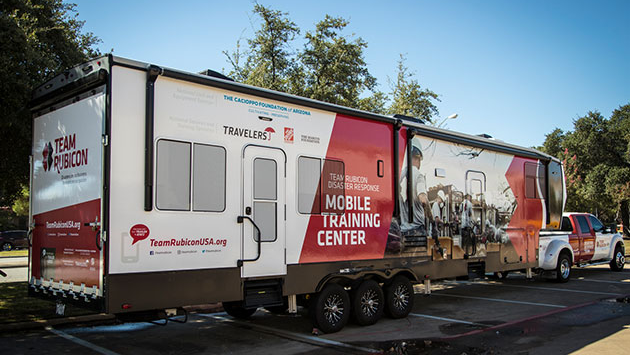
(249, 133)
(64, 154)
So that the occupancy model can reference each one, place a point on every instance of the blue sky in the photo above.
(512, 69)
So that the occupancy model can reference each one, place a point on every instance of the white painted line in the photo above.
(313, 340)
(534, 287)
(81, 342)
(606, 281)
(499, 300)
(447, 319)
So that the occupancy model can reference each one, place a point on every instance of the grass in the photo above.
(19, 252)
(17, 306)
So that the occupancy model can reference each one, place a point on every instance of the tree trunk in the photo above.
(624, 218)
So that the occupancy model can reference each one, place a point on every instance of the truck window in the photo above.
(208, 178)
(173, 175)
(583, 223)
(597, 225)
(566, 225)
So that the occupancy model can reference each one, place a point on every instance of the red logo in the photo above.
(288, 135)
(139, 232)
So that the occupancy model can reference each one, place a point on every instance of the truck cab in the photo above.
(583, 239)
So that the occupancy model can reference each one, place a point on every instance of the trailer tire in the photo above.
(399, 297)
(236, 310)
(330, 308)
(368, 303)
(563, 268)
(619, 260)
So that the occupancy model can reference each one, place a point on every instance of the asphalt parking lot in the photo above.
(483, 316)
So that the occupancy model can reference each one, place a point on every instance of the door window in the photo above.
(583, 223)
(597, 225)
(265, 196)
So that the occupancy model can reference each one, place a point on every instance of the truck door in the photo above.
(601, 241)
(574, 238)
(587, 238)
(263, 211)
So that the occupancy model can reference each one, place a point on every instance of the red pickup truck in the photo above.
(582, 240)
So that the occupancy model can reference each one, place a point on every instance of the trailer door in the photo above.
(66, 197)
(263, 207)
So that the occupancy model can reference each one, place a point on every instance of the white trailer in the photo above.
(153, 189)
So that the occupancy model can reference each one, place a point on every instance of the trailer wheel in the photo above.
(7, 246)
(330, 308)
(399, 297)
(236, 310)
(368, 303)
(563, 269)
(619, 260)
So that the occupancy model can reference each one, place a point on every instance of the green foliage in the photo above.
(21, 204)
(39, 38)
(596, 162)
(335, 69)
(330, 67)
(409, 98)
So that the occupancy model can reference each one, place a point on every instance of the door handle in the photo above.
(239, 220)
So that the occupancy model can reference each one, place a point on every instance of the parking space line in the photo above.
(534, 287)
(81, 342)
(498, 300)
(605, 281)
(447, 319)
(309, 339)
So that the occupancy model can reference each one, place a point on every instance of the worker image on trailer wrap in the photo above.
(419, 195)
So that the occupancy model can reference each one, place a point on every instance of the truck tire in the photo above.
(399, 297)
(330, 308)
(7, 246)
(619, 260)
(563, 269)
(236, 310)
(368, 303)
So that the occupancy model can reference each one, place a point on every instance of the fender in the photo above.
(616, 239)
(548, 258)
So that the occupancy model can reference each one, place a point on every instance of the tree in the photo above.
(335, 69)
(39, 38)
(408, 96)
(596, 161)
(268, 61)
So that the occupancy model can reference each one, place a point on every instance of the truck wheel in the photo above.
(368, 303)
(399, 297)
(330, 308)
(619, 260)
(563, 269)
(236, 310)
(7, 247)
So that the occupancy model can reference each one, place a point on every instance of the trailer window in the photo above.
(173, 175)
(321, 188)
(208, 178)
(534, 176)
(309, 194)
